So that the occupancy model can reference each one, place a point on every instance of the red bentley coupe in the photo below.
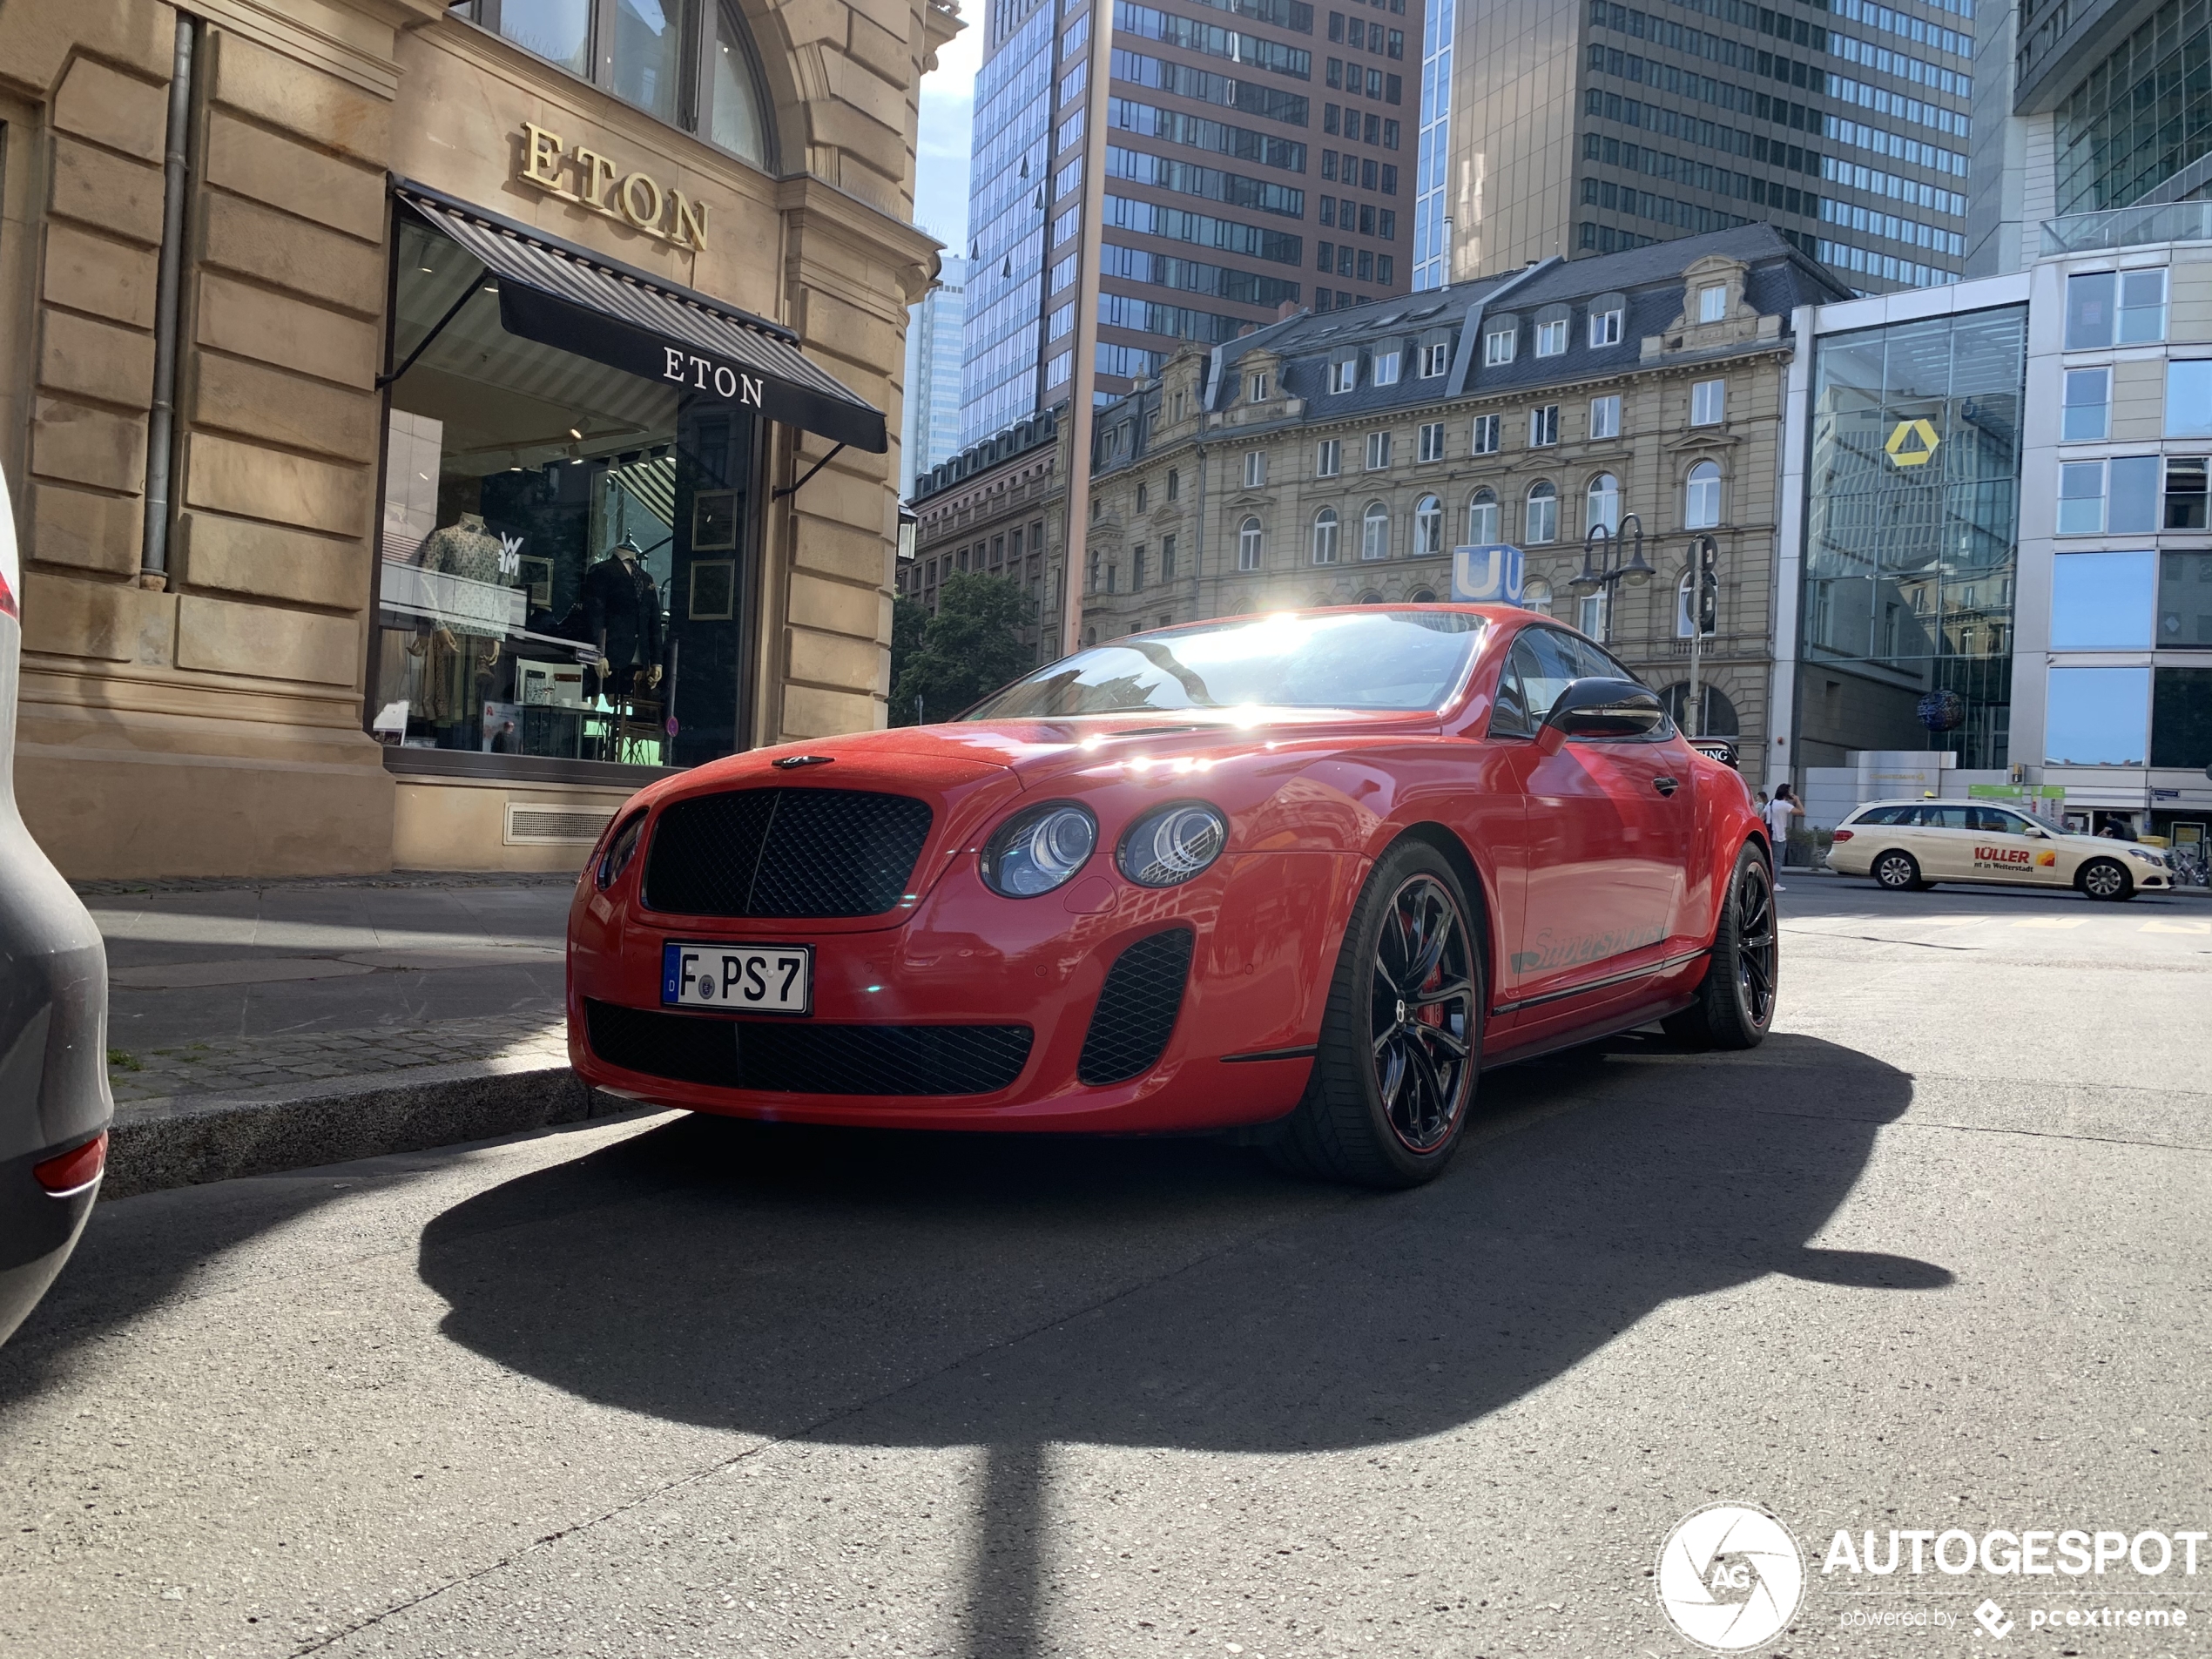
(1312, 871)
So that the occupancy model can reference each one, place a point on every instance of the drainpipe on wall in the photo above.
(153, 556)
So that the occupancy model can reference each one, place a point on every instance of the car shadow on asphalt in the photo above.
(888, 1289)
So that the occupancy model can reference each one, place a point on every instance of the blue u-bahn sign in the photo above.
(1489, 575)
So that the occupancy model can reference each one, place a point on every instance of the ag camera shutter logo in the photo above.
(1729, 1577)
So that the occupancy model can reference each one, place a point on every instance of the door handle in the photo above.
(1666, 786)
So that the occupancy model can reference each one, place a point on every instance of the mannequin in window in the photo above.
(458, 653)
(621, 608)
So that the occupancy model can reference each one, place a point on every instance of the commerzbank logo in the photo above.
(1729, 1577)
(1912, 443)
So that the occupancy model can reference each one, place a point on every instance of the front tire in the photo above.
(1898, 871)
(2107, 879)
(1735, 1005)
(1401, 1039)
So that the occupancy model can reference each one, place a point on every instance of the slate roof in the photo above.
(1649, 278)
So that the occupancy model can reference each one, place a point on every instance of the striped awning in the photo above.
(568, 297)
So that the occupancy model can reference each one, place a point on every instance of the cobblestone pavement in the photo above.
(222, 1065)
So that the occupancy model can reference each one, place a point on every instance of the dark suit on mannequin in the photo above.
(622, 610)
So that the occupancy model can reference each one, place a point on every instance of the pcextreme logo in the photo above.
(1912, 443)
(1729, 1577)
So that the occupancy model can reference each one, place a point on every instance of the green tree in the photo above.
(967, 650)
(908, 618)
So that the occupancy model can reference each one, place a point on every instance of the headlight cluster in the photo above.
(1044, 847)
(620, 851)
(2146, 854)
(1171, 843)
(1040, 849)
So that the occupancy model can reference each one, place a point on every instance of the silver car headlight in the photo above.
(1039, 849)
(2146, 855)
(1171, 843)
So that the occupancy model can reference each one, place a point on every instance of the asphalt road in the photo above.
(1933, 1257)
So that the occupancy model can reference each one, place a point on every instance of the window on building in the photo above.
(1605, 328)
(1374, 532)
(1685, 609)
(1540, 520)
(1386, 368)
(1701, 497)
(1482, 518)
(1248, 545)
(2185, 493)
(1378, 451)
(2118, 497)
(1328, 457)
(1255, 469)
(1536, 596)
(2180, 719)
(2088, 405)
(1167, 559)
(1324, 535)
(1428, 527)
(1175, 483)
(2115, 308)
(1486, 435)
(2097, 716)
(1344, 374)
(1551, 338)
(2188, 397)
(1605, 417)
(1256, 388)
(1590, 614)
(1140, 496)
(1712, 303)
(1543, 426)
(1434, 360)
(2103, 600)
(1136, 567)
(1708, 402)
(1432, 441)
(1603, 498)
(1497, 346)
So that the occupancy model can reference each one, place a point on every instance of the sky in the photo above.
(947, 109)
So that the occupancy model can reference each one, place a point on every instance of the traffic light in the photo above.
(1705, 564)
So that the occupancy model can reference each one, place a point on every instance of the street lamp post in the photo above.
(1704, 614)
(1610, 558)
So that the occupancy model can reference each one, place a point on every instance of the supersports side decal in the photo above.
(1551, 954)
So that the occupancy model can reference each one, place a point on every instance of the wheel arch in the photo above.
(1455, 852)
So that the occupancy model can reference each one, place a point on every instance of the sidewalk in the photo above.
(262, 1026)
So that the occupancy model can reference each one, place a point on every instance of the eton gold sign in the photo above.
(585, 177)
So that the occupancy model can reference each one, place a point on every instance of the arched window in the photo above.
(1720, 719)
(1420, 596)
(737, 116)
(1683, 609)
(1370, 597)
(1701, 497)
(1324, 537)
(1482, 518)
(1428, 528)
(1248, 547)
(1536, 595)
(1541, 521)
(1374, 532)
(1604, 504)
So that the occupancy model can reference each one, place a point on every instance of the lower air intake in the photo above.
(804, 1059)
(1136, 1013)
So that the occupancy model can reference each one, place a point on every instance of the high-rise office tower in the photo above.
(1182, 170)
(936, 334)
(1576, 126)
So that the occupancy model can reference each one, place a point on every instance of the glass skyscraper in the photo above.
(936, 335)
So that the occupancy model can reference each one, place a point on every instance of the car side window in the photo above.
(1548, 663)
(1934, 816)
(1509, 711)
(1598, 663)
(1989, 821)
(1890, 815)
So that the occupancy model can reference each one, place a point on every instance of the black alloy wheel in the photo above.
(1899, 871)
(1735, 1005)
(2106, 878)
(1401, 1039)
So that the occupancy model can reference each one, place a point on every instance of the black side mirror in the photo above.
(1605, 708)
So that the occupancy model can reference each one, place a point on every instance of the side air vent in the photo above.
(1136, 1013)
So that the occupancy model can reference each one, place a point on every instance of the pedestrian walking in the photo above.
(1777, 813)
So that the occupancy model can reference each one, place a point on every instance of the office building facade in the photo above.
(1147, 176)
(1569, 127)
(936, 334)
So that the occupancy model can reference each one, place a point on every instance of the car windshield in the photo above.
(1400, 660)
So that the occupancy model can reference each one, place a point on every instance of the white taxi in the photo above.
(1908, 845)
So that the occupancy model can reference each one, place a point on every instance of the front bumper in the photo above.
(1263, 930)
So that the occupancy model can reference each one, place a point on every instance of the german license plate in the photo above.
(759, 978)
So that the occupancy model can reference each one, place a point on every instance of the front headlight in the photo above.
(2145, 854)
(1171, 843)
(1038, 850)
(620, 851)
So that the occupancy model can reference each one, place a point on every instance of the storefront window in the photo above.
(564, 544)
(1912, 505)
(2097, 717)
